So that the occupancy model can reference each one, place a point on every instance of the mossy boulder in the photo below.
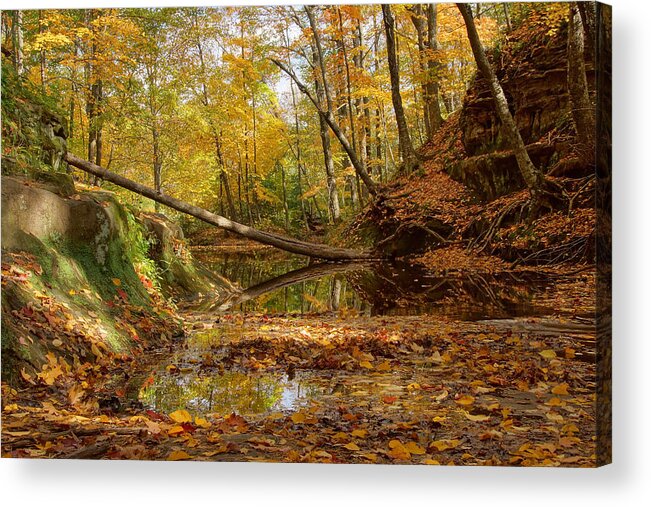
(180, 275)
(76, 269)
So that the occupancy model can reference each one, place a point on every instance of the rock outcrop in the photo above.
(532, 69)
(179, 274)
(81, 276)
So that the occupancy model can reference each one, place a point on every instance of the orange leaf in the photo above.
(561, 389)
(178, 455)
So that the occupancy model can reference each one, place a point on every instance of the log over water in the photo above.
(292, 245)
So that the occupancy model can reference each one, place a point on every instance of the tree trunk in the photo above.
(407, 152)
(17, 31)
(327, 114)
(532, 176)
(285, 206)
(577, 83)
(93, 105)
(276, 240)
(507, 17)
(158, 164)
(42, 60)
(436, 119)
(334, 126)
(333, 195)
(587, 11)
(223, 178)
(419, 24)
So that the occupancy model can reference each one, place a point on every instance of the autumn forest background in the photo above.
(342, 233)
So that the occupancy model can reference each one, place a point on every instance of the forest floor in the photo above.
(384, 389)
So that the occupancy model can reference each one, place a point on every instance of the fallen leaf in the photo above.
(548, 354)
(176, 430)
(398, 451)
(444, 445)
(181, 416)
(298, 417)
(201, 422)
(466, 399)
(476, 418)
(178, 455)
(385, 366)
(561, 389)
(414, 448)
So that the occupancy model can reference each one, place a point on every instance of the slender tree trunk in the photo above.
(93, 103)
(349, 91)
(532, 176)
(333, 194)
(582, 109)
(223, 178)
(256, 201)
(158, 165)
(247, 184)
(17, 32)
(361, 104)
(407, 152)
(354, 196)
(297, 135)
(276, 240)
(587, 11)
(336, 129)
(435, 117)
(42, 61)
(419, 23)
(239, 189)
(327, 114)
(285, 206)
(507, 16)
(155, 133)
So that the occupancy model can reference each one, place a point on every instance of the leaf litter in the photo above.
(403, 390)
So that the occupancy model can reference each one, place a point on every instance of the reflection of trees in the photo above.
(405, 289)
(222, 394)
(317, 292)
(378, 289)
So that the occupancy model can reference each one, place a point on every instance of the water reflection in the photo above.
(277, 284)
(232, 391)
(193, 377)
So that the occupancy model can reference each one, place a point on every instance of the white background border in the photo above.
(626, 482)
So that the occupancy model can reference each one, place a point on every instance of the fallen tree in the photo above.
(292, 245)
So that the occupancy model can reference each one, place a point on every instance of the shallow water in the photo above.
(192, 377)
(275, 284)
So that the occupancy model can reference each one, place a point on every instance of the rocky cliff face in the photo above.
(532, 68)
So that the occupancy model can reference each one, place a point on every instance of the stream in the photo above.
(281, 290)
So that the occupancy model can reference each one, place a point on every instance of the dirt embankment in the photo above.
(469, 194)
